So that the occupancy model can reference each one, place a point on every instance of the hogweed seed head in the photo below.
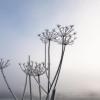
(39, 69)
(63, 35)
(48, 35)
(66, 36)
(3, 64)
(31, 68)
(28, 67)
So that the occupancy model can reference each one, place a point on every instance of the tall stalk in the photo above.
(55, 79)
(14, 97)
(39, 84)
(30, 87)
(48, 68)
(39, 87)
(53, 94)
(60, 64)
(45, 58)
(24, 88)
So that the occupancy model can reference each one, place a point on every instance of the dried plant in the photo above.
(28, 70)
(32, 70)
(47, 35)
(39, 70)
(3, 65)
(66, 35)
(63, 36)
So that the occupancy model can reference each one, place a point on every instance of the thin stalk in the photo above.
(39, 87)
(24, 88)
(48, 68)
(14, 97)
(46, 62)
(53, 94)
(39, 84)
(59, 68)
(45, 59)
(30, 87)
(57, 72)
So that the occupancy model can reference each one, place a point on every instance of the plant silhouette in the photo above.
(3, 65)
(63, 36)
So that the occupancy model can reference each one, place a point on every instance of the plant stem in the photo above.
(45, 64)
(39, 87)
(39, 84)
(48, 68)
(30, 87)
(24, 88)
(45, 60)
(60, 66)
(58, 71)
(8, 84)
(53, 94)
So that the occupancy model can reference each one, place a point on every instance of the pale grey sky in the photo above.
(22, 20)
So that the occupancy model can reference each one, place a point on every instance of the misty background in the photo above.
(22, 20)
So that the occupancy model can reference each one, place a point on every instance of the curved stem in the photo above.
(39, 87)
(8, 84)
(24, 88)
(58, 70)
(59, 67)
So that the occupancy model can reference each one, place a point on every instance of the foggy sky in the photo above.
(22, 20)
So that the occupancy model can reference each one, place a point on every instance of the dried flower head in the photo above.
(66, 36)
(28, 67)
(48, 36)
(39, 69)
(31, 68)
(3, 64)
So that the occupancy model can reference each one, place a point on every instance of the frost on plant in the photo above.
(63, 35)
